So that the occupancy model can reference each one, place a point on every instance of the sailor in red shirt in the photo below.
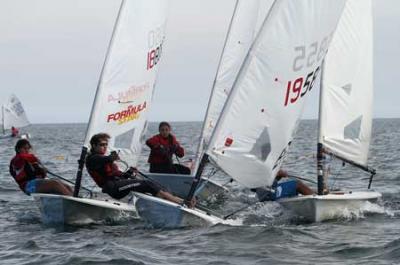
(30, 174)
(163, 146)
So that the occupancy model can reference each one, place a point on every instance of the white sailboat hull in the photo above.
(159, 213)
(180, 185)
(60, 210)
(22, 136)
(317, 208)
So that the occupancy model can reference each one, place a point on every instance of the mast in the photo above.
(320, 153)
(95, 102)
(2, 119)
(196, 179)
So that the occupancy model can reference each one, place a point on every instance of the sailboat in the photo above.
(258, 120)
(345, 114)
(123, 98)
(237, 43)
(13, 115)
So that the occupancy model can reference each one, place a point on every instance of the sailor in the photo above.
(283, 187)
(105, 172)
(14, 132)
(163, 146)
(30, 174)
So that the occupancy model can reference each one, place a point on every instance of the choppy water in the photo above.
(268, 235)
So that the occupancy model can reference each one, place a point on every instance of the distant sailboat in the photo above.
(259, 118)
(120, 107)
(13, 115)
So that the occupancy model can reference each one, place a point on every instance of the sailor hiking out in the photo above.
(105, 172)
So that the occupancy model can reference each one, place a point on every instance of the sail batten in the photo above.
(259, 119)
(347, 94)
(127, 81)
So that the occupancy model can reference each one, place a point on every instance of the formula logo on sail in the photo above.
(131, 113)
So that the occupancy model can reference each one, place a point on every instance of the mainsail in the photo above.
(347, 85)
(14, 114)
(238, 40)
(125, 89)
(258, 121)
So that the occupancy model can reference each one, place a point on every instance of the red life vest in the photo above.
(162, 149)
(25, 167)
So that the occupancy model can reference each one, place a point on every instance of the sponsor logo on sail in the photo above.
(131, 113)
(133, 92)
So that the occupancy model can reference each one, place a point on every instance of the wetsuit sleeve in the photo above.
(97, 162)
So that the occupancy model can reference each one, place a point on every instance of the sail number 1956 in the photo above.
(306, 57)
(299, 87)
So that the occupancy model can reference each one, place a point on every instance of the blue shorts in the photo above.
(286, 189)
(31, 186)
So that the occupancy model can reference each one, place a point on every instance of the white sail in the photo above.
(14, 114)
(239, 39)
(263, 109)
(347, 86)
(240, 36)
(128, 77)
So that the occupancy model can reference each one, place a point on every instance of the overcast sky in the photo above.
(51, 53)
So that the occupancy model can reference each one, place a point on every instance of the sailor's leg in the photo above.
(52, 186)
(303, 188)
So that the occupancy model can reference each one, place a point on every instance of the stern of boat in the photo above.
(58, 209)
(317, 208)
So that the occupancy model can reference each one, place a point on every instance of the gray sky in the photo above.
(51, 53)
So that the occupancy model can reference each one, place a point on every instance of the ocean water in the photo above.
(263, 234)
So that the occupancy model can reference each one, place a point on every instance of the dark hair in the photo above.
(21, 143)
(95, 140)
(162, 124)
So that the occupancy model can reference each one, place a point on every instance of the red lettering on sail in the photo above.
(129, 114)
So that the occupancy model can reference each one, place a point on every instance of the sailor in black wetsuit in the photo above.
(115, 183)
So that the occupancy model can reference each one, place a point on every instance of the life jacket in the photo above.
(100, 170)
(163, 155)
(25, 167)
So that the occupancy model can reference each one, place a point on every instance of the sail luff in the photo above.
(96, 101)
